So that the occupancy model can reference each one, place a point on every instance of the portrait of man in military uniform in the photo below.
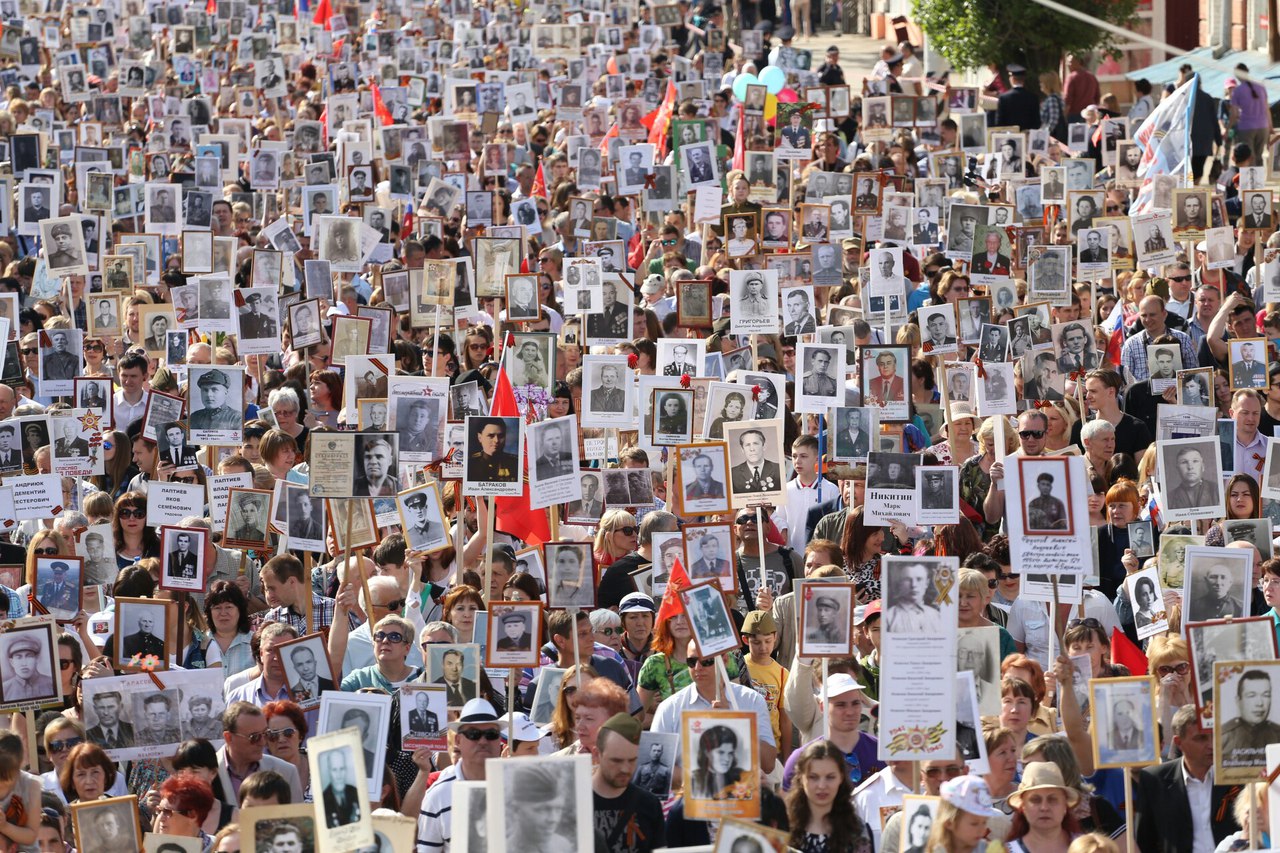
(58, 585)
(1045, 512)
(27, 669)
(1244, 736)
(154, 720)
(424, 529)
(59, 361)
(258, 319)
(488, 459)
(219, 400)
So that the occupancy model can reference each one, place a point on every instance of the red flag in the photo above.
(379, 105)
(539, 183)
(604, 143)
(739, 143)
(1114, 345)
(659, 120)
(211, 7)
(1123, 651)
(671, 603)
(324, 11)
(635, 256)
(512, 515)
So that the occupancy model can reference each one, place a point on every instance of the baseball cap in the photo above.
(841, 683)
(636, 602)
(523, 729)
(759, 622)
(872, 609)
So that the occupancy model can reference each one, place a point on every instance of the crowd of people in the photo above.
(621, 305)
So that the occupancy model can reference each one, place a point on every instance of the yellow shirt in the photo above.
(769, 680)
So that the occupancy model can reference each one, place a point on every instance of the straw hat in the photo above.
(1039, 776)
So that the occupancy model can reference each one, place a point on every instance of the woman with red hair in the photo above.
(185, 802)
(286, 732)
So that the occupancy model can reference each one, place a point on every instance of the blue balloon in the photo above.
(740, 84)
(774, 79)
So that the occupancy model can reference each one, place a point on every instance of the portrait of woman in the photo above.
(529, 367)
(673, 415)
(1144, 593)
(734, 406)
(717, 768)
(917, 830)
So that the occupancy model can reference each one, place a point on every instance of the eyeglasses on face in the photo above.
(126, 512)
(60, 746)
(1169, 669)
(254, 738)
(276, 734)
(92, 347)
(1031, 433)
(480, 734)
(397, 604)
(45, 551)
(169, 811)
(388, 637)
(610, 632)
(1010, 576)
(65, 664)
(625, 531)
(1179, 278)
(694, 663)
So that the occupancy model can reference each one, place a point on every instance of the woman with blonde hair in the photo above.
(975, 472)
(616, 537)
(1062, 421)
(563, 726)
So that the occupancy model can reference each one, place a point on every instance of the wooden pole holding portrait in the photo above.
(346, 547)
(826, 716)
(307, 610)
(488, 548)
(946, 403)
(764, 573)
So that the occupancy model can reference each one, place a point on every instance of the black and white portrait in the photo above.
(1046, 490)
(246, 521)
(513, 632)
(140, 633)
(825, 612)
(1191, 477)
(1124, 722)
(1216, 583)
(422, 515)
(913, 587)
(308, 672)
(29, 664)
(656, 761)
(304, 518)
(183, 551)
(570, 574)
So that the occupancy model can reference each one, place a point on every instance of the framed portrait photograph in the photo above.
(1217, 583)
(494, 453)
(918, 814)
(1195, 387)
(514, 635)
(708, 612)
(693, 304)
(912, 602)
(304, 518)
(1147, 597)
(549, 799)
(308, 671)
(424, 717)
(369, 714)
(29, 665)
(939, 489)
(1222, 641)
(1248, 361)
(141, 633)
(1192, 208)
(656, 762)
(1191, 475)
(1047, 509)
(339, 760)
(754, 476)
(422, 519)
(182, 553)
(590, 507)
(703, 471)
(247, 516)
(671, 417)
(706, 551)
(884, 381)
(571, 578)
(822, 379)
(291, 827)
(720, 764)
(825, 613)
(1124, 722)
(1141, 541)
(304, 324)
(456, 667)
(938, 325)
(855, 426)
(607, 391)
(522, 303)
(104, 315)
(111, 825)
(58, 585)
(217, 408)
(1246, 718)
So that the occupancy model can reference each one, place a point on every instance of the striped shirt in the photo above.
(436, 817)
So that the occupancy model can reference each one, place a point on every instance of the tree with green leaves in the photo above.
(978, 33)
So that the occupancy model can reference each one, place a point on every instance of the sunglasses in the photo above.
(398, 604)
(64, 664)
(992, 583)
(133, 513)
(1088, 622)
(45, 550)
(60, 746)
(478, 734)
(93, 347)
(1011, 576)
(625, 531)
(745, 519)
(951, 770)
(276, 735)
(1179, 668)
(1031, 433)
(610, 632)
(254, 738)
(31, 351)
(388, 637)
(694, 663)
(1179, 278)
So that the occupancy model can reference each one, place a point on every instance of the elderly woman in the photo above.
(1099, 440)
(616, 537)
(1094, 812)
(61, 736)
(1169, 660)
(285, 405)
(957, 436)
(87, 774)
(607, 627)
(185, 803)
(1002, 775)
(392, 637)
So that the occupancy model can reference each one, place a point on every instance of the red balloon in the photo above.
(788, 96)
